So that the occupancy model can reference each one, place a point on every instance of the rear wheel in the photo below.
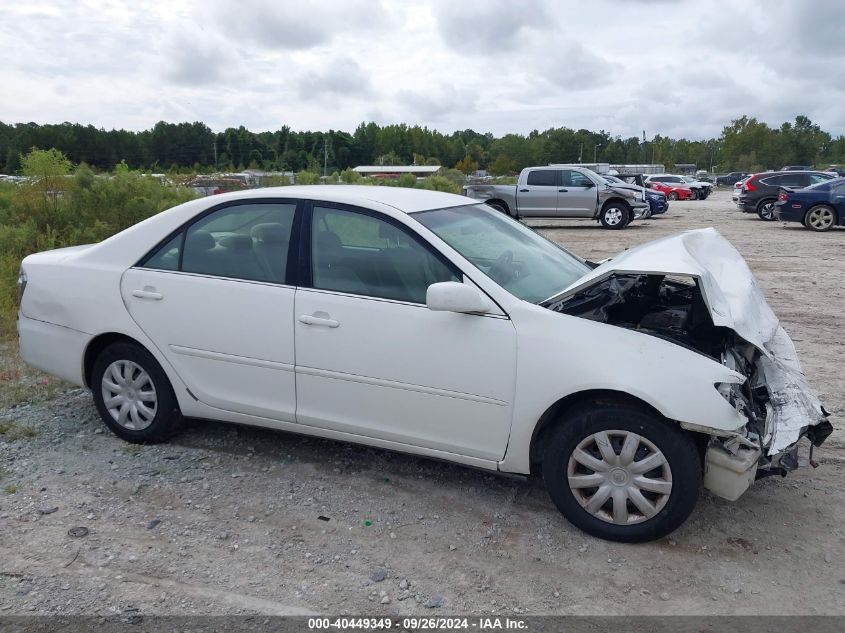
(499, 206)
(615, 215)
(133, 395)
(621, 473)
(766, 210)
(820, 218)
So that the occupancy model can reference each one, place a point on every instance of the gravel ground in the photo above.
(233, 520)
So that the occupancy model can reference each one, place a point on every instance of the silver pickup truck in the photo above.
(564, 191)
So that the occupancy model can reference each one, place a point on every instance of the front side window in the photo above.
(247, 241)
(360, 254)
(542, 178)
(517, 258)
(575, 179)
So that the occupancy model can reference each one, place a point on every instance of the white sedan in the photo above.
(427, 323)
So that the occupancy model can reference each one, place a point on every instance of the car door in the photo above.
(217, 300)
(577, 195)
(537, 196)
(372, 360)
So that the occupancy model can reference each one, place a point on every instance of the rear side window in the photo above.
(542, 178)
(793, 180)
(249, 242)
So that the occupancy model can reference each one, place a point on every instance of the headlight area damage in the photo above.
(695, 290)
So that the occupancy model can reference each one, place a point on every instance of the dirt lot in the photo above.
(235, 520)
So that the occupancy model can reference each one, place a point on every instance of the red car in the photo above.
(672, 193)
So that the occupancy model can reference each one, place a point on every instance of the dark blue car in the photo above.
(818, 207)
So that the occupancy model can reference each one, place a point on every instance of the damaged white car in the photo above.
(427, 323)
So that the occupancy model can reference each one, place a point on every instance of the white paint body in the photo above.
(470, 388)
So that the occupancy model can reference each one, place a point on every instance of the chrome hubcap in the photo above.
(129, 395)
(820, 218)
(619, 477)
(768, 211)
(613, 216)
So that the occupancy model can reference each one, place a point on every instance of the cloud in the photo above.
(502, 66)
(435, 104)
(298, 25)
(343, 77)
(488, 27)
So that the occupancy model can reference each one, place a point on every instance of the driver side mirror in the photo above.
(452, 296)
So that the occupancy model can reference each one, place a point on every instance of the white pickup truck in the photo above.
(565, 191)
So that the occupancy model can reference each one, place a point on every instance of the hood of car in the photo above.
(729, 289)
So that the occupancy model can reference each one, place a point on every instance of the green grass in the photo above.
(10, 489)
(11, 431)
(20, 383)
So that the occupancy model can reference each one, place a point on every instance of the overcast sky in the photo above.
(671, 67)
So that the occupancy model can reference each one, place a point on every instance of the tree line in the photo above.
(745, 145)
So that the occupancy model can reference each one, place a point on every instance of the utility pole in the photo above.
(580, 152)
(215, 155)
(325, 155)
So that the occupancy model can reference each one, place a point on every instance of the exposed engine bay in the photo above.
(775, 397)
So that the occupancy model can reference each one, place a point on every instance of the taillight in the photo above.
(749, 184)
(783, 196)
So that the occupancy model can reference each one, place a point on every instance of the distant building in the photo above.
(394, 171)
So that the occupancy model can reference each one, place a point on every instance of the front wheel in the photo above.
(615, 215)
(673, 195)
(766, 210)
(694, 194)
(133, 395)
(621, 473)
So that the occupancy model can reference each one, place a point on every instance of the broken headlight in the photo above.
(21, 284)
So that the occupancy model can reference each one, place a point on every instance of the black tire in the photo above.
(672, 195)
(694, 194)
(766, 210)
(677, 446)
(615, 215)
(820, 218)
(167, 420)
(704, 193)
(499, 206)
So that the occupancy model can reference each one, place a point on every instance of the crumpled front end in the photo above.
(695, 290)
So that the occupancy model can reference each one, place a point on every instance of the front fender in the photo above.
(561, 355)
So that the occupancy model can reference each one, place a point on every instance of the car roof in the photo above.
(402, 199)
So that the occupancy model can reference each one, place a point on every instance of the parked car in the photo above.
(730, 179)
(736, 189)
(657, 202)
(672, 192)
(819, 207)
(759, 192)
(428, 323)
(558, 191)
(797, 168)
(700, 189)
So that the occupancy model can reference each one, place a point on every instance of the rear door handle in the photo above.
(148, 294)
(563, 190)
(307, 319)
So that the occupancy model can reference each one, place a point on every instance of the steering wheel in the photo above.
(502, 271)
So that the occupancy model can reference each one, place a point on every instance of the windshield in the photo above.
(517, 258)
(688, 178)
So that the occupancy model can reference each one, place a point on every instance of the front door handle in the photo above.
(307, 319)
(148, 293)
(524, 190)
